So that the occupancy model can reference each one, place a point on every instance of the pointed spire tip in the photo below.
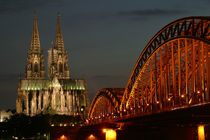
(59, 14)
(34, 13)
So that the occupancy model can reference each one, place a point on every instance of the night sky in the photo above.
(104, 38)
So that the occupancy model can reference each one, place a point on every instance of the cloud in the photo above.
(12, 6)
(150, 12)
(133, 14)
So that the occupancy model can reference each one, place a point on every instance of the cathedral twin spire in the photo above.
(59, 45)
(57, 58)
(35, 42)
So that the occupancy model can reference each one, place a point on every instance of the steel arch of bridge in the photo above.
(196, 28)
(105, 102)
(172, 71)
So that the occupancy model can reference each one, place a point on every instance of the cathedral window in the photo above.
(35, 67)
(60, 67)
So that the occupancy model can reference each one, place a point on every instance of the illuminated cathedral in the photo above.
(57, 92)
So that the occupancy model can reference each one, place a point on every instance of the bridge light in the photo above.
(157, 102)
(190, 101)
(63, 137)
(182, 96)
(131, 108)
(110, 134)
(124, 110)
(198, 92)
(118, 112)
(91, 137)
(139, 106)
(147, 104)
(112, 113)
(169, 99)
(201, 132)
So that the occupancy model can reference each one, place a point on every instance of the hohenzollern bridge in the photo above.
(169, 84)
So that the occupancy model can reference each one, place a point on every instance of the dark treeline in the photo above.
(20, 125)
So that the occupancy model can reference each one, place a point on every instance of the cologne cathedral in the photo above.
(56, 92)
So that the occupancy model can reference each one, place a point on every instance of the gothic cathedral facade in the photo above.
(57, 92)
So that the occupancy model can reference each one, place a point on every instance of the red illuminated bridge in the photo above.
(171, 74)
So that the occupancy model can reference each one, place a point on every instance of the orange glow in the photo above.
(111, 134)
(157, 102)
(104, 130)
(198, 91)
(91, 137)
(182, 95)
(169, 99)
(201, 133)
(63, 137)
(190, 101)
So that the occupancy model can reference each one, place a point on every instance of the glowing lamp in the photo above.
(63, 137)
(110, 134)
(201, 133)
(91, 137)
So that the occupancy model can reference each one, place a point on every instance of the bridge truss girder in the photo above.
(175, 75)
(104, 104)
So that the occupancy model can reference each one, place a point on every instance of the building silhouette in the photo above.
(56, 92)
